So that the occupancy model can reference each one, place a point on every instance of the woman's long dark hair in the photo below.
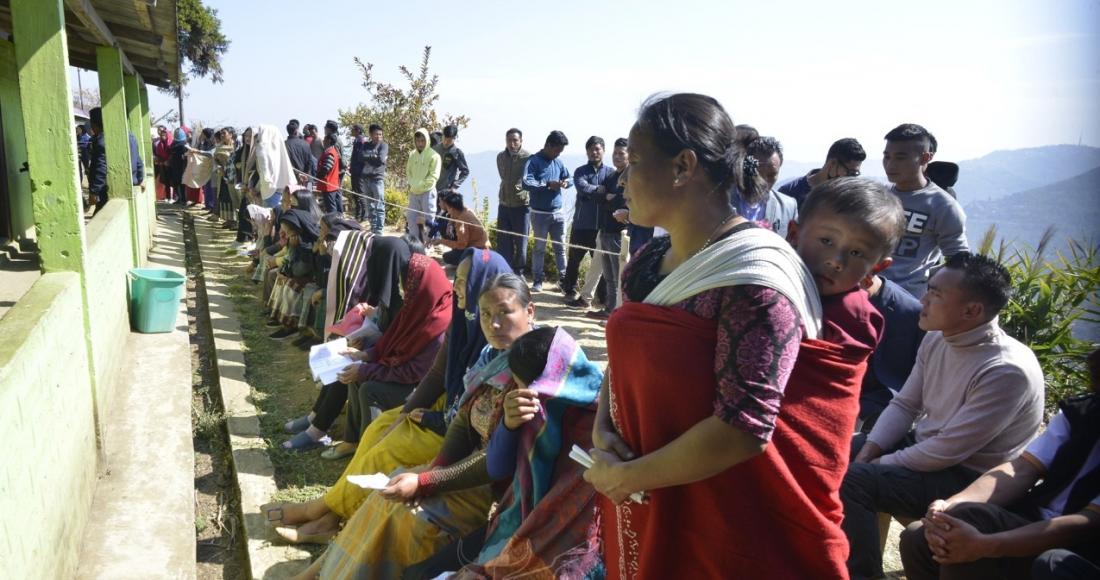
(699, 123)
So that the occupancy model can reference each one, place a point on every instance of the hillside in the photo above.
(1072, 206)
(1003, 173)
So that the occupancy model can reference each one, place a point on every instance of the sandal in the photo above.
(303, 442)
(290, 534)
(295, 426)
(269, 509)
(338, 451)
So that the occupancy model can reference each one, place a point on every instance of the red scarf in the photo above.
(775, 516)
(425, 314)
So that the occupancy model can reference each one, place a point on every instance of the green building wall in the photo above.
(49, 471)
(15, 145)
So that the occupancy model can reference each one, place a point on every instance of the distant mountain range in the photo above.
(1071, 205)
(1023, 191)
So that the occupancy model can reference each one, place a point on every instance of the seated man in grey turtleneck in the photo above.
(975, 393)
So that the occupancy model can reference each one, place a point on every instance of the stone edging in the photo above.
(251, 464)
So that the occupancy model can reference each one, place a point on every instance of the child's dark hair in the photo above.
(454, 200)
(986, 280)
(527, 357)
(864, 201)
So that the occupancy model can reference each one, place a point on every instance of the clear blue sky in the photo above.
(981, 75)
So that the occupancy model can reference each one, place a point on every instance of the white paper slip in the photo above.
(326, 362)
(372, 481)
(581, 456)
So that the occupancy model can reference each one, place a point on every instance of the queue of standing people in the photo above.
(832, 347)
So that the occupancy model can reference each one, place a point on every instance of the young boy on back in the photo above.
(846, 231)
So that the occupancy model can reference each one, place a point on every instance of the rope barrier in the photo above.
(623, 253)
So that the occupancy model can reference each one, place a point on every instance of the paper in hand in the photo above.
(326, 362)
(581, 456)
(372, 481)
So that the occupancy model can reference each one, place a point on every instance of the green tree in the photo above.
(400, 111)
(201, 44)
(1050, 300)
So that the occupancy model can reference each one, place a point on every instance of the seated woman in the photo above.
(412, 434)
(412, 300)
(272, 256)
(455, 492)
(543, 525)
(301, 231)
(463, 229)
(312, 312)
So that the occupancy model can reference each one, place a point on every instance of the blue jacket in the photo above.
(896, 354)
(588, 178)
(137, 166)
(536, 174)
(97, 166)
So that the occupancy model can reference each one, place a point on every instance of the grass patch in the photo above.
(282, 388)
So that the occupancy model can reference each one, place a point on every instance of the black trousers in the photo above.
(872, 488)
(363, 396)
(586, 238)
(988, 519)
(244, 224)
(329, 404)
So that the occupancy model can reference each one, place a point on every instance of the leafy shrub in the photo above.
(395, 213)
(1050, 299)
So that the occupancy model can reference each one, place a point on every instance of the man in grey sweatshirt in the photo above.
(935, 223)
(975, 393)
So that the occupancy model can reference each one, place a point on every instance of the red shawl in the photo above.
(425, 314)
(775, 516)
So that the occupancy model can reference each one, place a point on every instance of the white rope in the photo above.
(624, 253)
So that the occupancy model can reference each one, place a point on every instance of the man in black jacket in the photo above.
(301, 158)
(97, 161)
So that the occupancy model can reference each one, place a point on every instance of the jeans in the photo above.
(513, 246)
(610, 242)
(871, 488)
(578, 237)
(332, 201)
(988, 519)
(376, 207)
(420, 214)
(547, 223)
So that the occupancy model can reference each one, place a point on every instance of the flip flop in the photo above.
(296, 426)
(334, 452)
(269, 510)
(303, 442)
(291, 535)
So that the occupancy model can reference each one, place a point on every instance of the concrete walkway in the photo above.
(142, 523)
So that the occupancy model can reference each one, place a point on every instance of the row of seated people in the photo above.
(745, 464)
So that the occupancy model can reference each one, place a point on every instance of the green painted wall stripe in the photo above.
(116, 131)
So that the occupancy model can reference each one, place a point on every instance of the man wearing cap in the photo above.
(544, 176)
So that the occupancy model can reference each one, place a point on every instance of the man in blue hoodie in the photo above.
(544, 177)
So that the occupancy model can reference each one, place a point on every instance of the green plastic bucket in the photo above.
(155, 295)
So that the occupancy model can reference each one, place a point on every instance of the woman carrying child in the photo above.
(739, 459)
